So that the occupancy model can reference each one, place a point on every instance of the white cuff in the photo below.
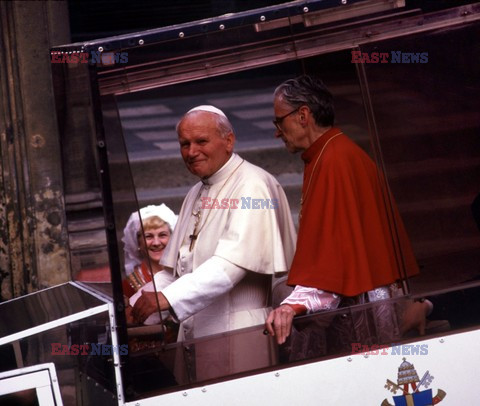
(313, 299)
(194, 291)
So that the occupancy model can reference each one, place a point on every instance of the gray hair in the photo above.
(308, 91)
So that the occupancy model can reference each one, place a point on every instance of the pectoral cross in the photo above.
(194, 235)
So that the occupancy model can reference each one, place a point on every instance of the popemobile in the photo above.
(405, 82)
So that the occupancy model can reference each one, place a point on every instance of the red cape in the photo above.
(350, 239)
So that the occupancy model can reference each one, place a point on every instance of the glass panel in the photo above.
(148, 121)
(25, 397)
(234, 42)
(146, 167)
(426, 115)
(183, 364)
(81, 350)
(82, 354)
(345, 331)
(42, 307)
(359, 328)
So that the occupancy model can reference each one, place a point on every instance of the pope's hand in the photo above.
(279, 322)
(145, 305)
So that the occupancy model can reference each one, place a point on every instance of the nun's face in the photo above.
(154, 242)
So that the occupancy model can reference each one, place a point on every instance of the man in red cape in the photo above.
(351, 240)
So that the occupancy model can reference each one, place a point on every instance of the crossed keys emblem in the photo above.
(414, 392)
(425, 381)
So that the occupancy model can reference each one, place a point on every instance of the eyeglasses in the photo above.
(278, 120)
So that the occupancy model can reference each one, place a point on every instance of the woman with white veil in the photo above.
(145, 237)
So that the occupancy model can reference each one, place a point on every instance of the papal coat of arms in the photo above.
(415, 391)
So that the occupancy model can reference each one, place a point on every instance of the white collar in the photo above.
(224, 171)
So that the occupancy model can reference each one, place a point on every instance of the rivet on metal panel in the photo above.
(277, 374)
(365, 355)
(262, 18)
(185, 394)
(305, 9)
(349, 359)
(442, 340)
(181, 34)
(222, 27)
(141, 41)
(100, 49)
(204, 390)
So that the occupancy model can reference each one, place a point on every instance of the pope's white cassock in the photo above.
(226, 273)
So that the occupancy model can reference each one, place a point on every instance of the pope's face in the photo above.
(202, 147)
(287, 127)
(154, 242)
